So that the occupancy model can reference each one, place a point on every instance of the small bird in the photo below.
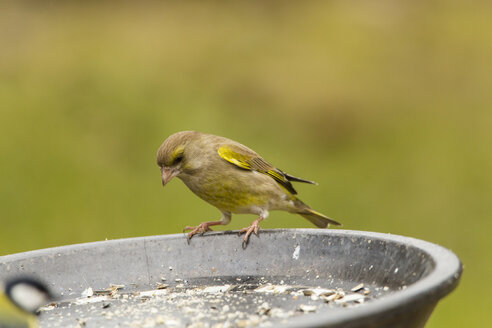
(233, 178)
(20, 300)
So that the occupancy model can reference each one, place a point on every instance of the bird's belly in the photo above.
(250, 194)
(235, 200)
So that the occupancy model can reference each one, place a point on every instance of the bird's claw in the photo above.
(253, 228)
(200, 229)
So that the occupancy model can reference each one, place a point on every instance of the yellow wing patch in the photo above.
(276, 175)
(247, 162)
(235, 158)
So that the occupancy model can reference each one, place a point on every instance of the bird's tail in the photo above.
(318, 219)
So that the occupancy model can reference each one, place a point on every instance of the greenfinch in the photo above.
(233, 178)
(20, 300)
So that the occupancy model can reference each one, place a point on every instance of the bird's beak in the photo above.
(167, 174)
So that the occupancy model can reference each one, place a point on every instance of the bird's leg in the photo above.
(205, 226)
(254, 227)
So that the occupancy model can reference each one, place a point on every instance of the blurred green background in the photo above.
(386, 104)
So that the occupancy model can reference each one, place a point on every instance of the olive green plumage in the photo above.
(232, 177)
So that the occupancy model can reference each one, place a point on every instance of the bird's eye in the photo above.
(178, 159)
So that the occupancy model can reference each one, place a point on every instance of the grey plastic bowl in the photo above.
(411, 275)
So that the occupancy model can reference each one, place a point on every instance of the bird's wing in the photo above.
(247, 159)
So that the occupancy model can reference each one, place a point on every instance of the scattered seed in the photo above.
(214, 306)
(318, 292)
(308, 308)
(162, 286)
(351, 298)
(82, 322)
(264, 309)
(335, 296)
(88, 292)
(272, 289)
(357, 288)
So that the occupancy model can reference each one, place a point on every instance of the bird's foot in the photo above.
(200, 229)
(253, 228)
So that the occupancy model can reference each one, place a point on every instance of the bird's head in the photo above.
(173, 156)
(27, 293)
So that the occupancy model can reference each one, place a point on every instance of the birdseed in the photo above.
(225, 302)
